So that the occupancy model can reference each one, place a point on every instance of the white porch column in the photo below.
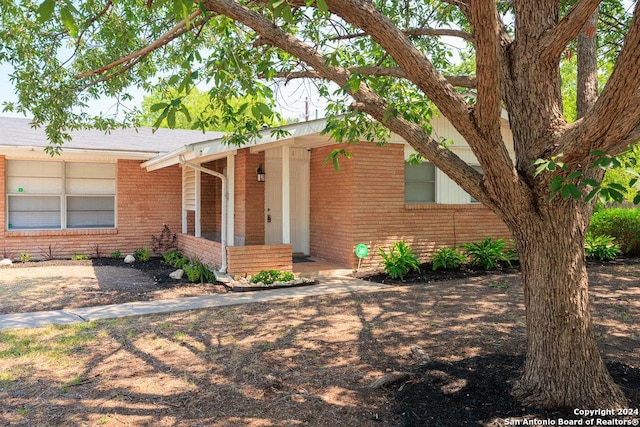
(198, 225)
(286, 197)
(184, 201)
(231, 191)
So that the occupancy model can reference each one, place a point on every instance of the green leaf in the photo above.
(574, 175)
(45, 10)
(592, 194)
(570, 190)
(540, 168)
(159, 106)
(589, 182)
(69, 21)
(171, 118)
(322, 6)
(636, 199)
(287, 14)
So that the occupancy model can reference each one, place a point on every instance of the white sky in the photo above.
(290, 99)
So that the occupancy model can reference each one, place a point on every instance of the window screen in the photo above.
(420, 183)
(55, 195)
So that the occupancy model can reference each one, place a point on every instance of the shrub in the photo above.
(175, 259)
(400, 260)
(623, 224)
(142, 254)
(49, 252)
(79, 257)
(448, 258)
(198, 272)
(25, 257)
(488, 253)
(268, 277)
(166, 241)
(116, 254)
(601, 247)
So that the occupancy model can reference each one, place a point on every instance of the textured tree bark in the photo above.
(563, 367)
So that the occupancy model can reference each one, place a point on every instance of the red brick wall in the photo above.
(145, 201)
(249, 260)
(207, 251)
(331, 207)
(364, 203)
(249, 199)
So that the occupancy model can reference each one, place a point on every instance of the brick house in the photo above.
(241, 209)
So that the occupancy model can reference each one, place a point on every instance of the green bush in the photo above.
(623, 224)
(25, 257)
(116, 254)
(197, 272)
(175, 259)
(400, 260)
(488, 253)
(447, 258)
(142, 254)
(268, 277)
(79, 257)
(601, 247)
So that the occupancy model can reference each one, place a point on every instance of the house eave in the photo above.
(38, 152)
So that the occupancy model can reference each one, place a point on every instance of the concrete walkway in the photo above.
(328, 285)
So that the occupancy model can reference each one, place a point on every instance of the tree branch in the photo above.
(553, 43)
(366, 100)
(417, 32)
(487, 31)
(468, 82)
(175, 32)
(616, 113)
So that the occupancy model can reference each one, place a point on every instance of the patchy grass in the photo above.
(299, 362)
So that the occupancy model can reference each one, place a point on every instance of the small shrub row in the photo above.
(196, 271)
(488, 254)
(268, 277)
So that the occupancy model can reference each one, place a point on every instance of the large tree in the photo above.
(390, 60)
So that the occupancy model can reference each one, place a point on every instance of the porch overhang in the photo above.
(305, 135)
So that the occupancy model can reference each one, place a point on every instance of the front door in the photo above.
(298, 200)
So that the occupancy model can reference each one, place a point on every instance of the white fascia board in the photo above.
(167, 159)
(34, 152)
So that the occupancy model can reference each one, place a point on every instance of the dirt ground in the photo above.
(60, 284)
(299, 362)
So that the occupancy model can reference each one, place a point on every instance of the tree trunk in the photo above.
(563, 367)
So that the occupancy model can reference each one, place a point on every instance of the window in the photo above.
(420, 183)
(59, 195)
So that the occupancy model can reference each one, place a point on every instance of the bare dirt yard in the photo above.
(297, 362)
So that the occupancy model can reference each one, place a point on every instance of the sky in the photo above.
(290, 99)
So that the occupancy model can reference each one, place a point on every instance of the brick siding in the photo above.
(249, 260)
(364, 203)
(145, 202)
(249, 199)
(207, 251)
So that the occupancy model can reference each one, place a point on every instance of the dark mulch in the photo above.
(427, 275)
(155, 268)
(475, 392)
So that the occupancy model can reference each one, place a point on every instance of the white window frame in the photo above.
(59, 190)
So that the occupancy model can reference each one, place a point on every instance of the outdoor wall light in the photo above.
(260, 174)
